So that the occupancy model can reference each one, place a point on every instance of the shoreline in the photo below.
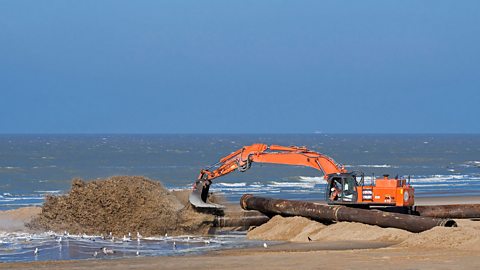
(389, 258)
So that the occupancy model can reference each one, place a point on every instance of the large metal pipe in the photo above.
(241, 221)
(448, 211)
(328, 213)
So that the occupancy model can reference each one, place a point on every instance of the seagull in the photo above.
(129, 234)
(207, 242)
(174, 245)
(65, 233)
(166, 235)
(59, 240)
(95, 254)
(309, 239)
(188, 238)
(138, 253)
(113, 238)
(107, 251)
(35, 252)
(139, 235)
(265, 245)
(126, 239)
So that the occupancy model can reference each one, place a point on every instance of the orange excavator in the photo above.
(343, 187)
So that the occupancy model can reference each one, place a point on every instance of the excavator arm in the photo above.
(243, 158)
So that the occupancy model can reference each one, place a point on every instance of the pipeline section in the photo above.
(337, 213)
(448, 211)
(244, 222)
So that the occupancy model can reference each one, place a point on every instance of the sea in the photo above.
(32, 166)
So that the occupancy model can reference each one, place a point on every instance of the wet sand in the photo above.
(310, 255)
(386, 258)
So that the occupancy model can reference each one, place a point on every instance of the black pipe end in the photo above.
(243, 200)
(450, 223)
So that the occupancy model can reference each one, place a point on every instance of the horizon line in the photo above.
(239, 133)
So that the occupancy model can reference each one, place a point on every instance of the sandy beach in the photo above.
(287, 257)
(439, 248)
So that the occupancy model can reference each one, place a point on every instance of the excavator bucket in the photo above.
(199, 199)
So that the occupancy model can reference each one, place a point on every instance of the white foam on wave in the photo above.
(48, 191)
(472, 163)
(10, 168)
(442, 185)
(291, 184)
(242, 184)
(314, 179)
(372, 166)
(20, 198)
(442, 178)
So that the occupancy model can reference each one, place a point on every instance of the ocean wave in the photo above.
(10, 168)
(472, 163)
(443, 178)
(20, 198)
(242, 184)
(44, 167)
(291, 184)
(442, 185)
(315, 179)
(372, 166)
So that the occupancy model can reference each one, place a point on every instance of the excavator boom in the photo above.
(243, 158)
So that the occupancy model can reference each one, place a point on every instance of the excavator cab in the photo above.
(342, 188)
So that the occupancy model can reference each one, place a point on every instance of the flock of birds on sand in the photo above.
(106, 251)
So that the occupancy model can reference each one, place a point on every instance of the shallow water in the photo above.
(16, 247)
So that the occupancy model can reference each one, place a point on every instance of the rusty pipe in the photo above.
(329, 213)
(245, 221)
(448, 211)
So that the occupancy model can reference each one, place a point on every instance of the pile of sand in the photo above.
(465, 236)
(344, 231)
(299, 229)
(279, 228)
(120, 204)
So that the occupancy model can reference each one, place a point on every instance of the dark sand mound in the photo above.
(120, 204)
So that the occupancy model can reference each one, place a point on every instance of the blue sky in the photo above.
(239, 66)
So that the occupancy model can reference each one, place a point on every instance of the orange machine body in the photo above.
(387, 191)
